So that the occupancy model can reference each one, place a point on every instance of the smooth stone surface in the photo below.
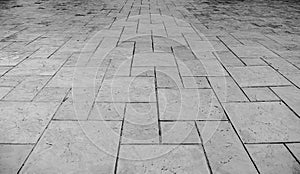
(223, 148)
(295, 149)
(252, 51)
(52, 94)
(252, 76)
(226, 89)
(189, 104)
(72, 147)
(264, 122)
(168, 77)
(273, 158)
(195, 82)
(127, 89)
(162, 159)
(107, 111)
(24, 122)
(4, 91)
(179, 132)
(12, 157)
(260, 94)
(290, 95)
(154, 59)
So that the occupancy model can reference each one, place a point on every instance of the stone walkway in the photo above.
(149, 86)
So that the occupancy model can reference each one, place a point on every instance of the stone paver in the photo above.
(295, 149)
(158, 86)
(183, 159)
(13, 156)
(25, 121)
(264, 122)
(223, 148)
(260, 94)
(273, 158)
(257, 76)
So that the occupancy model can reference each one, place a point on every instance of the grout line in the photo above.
(285, 103)
(229, 120)
(157, 106)
(203, 148)
(298, 160)
(41, 135)
(120, 140)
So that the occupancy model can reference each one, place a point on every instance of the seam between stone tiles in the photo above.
(179, 74)
(229, 120)
(49, 80)
(132, 57)
(274, 142)
(1, 99)
(280, 73)
(39, 138)
(157, 106)
(98, 90)
(236, 38)
(292, 153)
(285, 103)
(231, 51)
(277, 55)
(59, 48)
(120, 140)
(16, 144)
(20, 62)
(118, 42)
(14, 87)
(231, 78)
(203, 148)
(34, 39)
(151, 37)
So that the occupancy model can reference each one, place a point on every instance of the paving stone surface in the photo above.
(273, 158)
(157, 86)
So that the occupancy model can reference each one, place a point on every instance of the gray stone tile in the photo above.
(260, 94)
(141, 123)
(264, 122)
(24, 122)
(189, 104)
(295, 149)
(228, 59)
(72, 147)
(195, 82)
(52, 94)
(3, 70)
(4, 91)
(154, 59)
(168, 77)
(290, 95)
(27, 89)
(107, 111)
(142, 71)
(11, 80)
(257, 76)
(73, 111)
(12, 157)
(37, 66)
(252, 51)
(223, 148)
(167, 158)
(191, 67)
(273, 158)
(179, 132)
(127, 89)
(226, 89)
(254, 62)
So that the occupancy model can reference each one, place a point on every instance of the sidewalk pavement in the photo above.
(157, 86)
